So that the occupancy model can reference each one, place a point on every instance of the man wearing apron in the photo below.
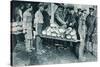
(27, 29)
(82, 34)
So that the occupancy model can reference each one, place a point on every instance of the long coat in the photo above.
(91, 24)
(27, 24)
(82, 27)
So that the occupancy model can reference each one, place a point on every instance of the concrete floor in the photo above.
(52, 56)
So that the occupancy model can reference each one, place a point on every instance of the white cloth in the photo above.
(16, 28)
(38, 17)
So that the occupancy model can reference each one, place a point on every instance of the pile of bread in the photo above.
(57, 31)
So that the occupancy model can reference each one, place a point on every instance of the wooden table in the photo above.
(40, 37)
(58, 38)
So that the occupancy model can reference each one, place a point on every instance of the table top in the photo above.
(58, 38)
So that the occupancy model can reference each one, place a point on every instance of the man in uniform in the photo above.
(91, 24)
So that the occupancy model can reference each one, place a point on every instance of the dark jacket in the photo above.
(90, 23)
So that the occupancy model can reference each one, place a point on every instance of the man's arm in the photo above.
(95, 25)
(58, 18)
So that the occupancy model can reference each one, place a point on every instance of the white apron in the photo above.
(27, 24)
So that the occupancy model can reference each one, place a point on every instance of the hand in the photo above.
(71, 24)
(24, 31)
(64, 23)
(64, 26)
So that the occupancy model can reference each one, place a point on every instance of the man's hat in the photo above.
(79, 9)
(83, 10)
(91, 8)
(60, 5)
(70, 7)
(41, 4)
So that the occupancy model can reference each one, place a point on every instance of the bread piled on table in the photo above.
(57, 31)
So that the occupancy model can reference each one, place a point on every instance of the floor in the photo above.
(51, 56)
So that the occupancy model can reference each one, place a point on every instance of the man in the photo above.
(71, 22)
(59, 18)
(46, 17)
(82, 34)
(91, 24)
(27, 29)
(65, 17)
(38, 23)
(70, 17)
(18, 21)
(16, 24)
(60, 15)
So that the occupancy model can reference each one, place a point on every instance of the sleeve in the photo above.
(58, 18)
(36, 18)
(95, 25)
(95, 22)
